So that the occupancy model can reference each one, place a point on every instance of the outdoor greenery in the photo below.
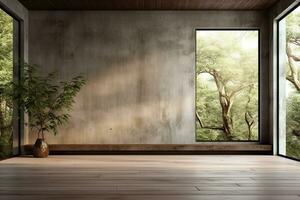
(227, 85)
(6, 76)
(292, 26)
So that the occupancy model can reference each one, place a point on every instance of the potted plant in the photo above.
(47, 103)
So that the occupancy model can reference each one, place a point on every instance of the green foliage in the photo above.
(292, 146)
(226, 72)
(209, 101)
(235, 62)
(292, 22)
(293, 125)
(293, 110)
(6, 144)
(46, 101)
(293, 27)
(6, 76)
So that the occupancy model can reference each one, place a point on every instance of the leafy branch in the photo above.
(46, 101)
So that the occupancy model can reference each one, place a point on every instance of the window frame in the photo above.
(277, 21)
(259, 85)
(18, 57)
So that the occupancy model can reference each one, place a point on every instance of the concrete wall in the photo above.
(140, 69)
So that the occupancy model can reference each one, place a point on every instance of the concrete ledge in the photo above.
(154, 148)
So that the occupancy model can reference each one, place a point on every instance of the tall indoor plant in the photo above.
(47, 103)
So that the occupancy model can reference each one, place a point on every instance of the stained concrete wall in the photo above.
(140, 70)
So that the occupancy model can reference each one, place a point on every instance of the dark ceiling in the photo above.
(147, 4)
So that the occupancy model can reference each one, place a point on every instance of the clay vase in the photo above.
(40, 149)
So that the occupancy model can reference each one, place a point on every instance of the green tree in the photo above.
(293, 124)
(293, 85)
(292, 49)
(232, 67)
(6, 75)
(251, 112)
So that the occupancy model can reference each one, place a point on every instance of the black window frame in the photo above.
(18, 59)
(259, 85)
(277, 80)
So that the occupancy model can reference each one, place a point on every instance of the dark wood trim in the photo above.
(147, 4)
(156, 148)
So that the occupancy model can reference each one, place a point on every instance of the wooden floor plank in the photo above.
(150, 177)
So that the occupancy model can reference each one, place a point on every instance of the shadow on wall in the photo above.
(140, 77)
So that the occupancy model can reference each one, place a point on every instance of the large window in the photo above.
(8, 58)
(227, 94)
(289, 84)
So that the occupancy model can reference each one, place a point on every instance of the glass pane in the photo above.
(289, 85)
(6, 75)
(227, 64)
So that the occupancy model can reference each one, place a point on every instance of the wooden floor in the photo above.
(150, 177)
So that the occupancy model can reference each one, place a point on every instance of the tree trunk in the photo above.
(227, 120)
(249, 118)
(293, 76)
(226, 103)
(249, 133)
(250, 124)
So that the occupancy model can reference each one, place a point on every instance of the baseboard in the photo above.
(155, 149)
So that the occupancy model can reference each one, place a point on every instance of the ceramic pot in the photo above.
(40, 149)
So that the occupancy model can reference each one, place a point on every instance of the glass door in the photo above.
(9, 57)
(289, 84)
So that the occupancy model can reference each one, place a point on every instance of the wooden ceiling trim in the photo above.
(147, 4)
